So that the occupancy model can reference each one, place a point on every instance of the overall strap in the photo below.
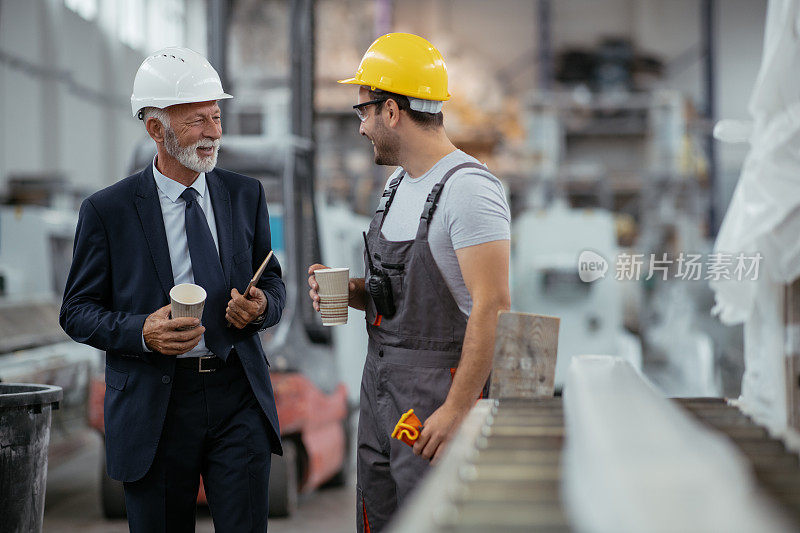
(433, 197)
(388, 197)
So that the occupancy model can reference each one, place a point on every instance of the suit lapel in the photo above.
(149, 208)
(221, 201)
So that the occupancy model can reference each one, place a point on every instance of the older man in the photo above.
(184, 397)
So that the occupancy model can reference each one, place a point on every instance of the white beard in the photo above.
(188, 156)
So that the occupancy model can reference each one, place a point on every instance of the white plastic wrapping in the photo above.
(764, 215)
(763, 394)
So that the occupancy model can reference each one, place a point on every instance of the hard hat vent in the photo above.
(174, 57)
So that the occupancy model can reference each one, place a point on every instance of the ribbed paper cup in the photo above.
(333, 315)
(333, 281)
(334, 299)
(188, 300)
(333, 295)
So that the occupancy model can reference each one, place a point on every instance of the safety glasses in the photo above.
(361, 109)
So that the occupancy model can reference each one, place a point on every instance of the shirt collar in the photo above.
(445, 158)
(172, 189)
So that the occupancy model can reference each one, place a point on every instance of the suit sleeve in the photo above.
(270, 282)
(85, 311)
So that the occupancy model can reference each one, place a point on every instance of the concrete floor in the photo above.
(72, 503)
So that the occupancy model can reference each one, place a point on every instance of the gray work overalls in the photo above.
(411, 360)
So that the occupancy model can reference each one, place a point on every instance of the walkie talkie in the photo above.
(379, 287)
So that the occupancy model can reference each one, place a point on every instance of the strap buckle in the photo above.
(383, 202)
(431, 202)
(200, 364)
(388, 194)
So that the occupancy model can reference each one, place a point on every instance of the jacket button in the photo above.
(380, 353)
(165, 379)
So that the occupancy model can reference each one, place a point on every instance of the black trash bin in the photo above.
(25, 411)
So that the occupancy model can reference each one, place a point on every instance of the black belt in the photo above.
(204, 364)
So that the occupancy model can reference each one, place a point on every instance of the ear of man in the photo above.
(155, 129)
(392, 112)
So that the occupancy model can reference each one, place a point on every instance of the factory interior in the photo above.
(638, 143)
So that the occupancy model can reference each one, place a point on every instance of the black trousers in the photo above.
(214, 427)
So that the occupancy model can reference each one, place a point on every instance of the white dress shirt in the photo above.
(173, 210)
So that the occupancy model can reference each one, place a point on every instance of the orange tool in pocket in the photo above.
(407, 428)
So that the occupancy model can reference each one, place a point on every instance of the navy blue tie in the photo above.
(207, 270)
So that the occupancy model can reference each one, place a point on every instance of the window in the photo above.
(130, 23)
(148, 25)
(251, 123)
(85, 8)
(166, 24)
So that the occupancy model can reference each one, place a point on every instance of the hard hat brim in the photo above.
(163, 103)
(355, 81)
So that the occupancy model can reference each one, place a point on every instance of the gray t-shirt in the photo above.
(472, 210)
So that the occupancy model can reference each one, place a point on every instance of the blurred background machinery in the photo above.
(545, 281)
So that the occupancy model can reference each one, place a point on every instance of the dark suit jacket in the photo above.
(121, 273)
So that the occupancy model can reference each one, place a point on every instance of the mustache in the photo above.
(207, 143)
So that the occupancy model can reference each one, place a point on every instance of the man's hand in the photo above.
(312, 282)
(437, 430)
(165, 335)
(241, 311)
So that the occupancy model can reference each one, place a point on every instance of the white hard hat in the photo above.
(175, 76)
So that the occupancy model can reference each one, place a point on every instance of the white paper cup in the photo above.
(335, 298)
(333, 295)
(333, 281)
(188, 300)
(334, 314)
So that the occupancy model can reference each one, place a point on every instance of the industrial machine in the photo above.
(35, 254)
(545, 280)
(531, 464)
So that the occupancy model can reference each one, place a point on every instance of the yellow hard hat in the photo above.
(403, 63)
